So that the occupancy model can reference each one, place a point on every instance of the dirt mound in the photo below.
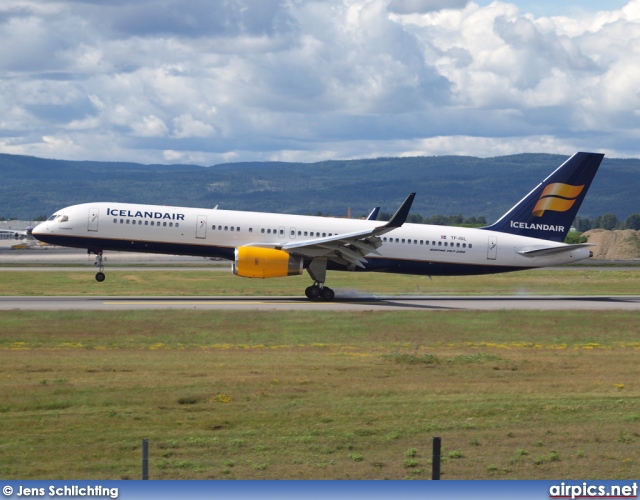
(614, 245)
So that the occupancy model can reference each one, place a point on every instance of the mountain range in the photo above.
(445, 185)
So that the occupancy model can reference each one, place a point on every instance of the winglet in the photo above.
(401, 215)
(374, 214)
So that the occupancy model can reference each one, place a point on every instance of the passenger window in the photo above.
(128, 221)
(233, 228)
(170, 224)
(115, 221)
(469, 245)
(177, 224)
(251, 230)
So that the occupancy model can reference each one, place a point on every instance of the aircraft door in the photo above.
(492, 249)
(201, 227)
(94, 214)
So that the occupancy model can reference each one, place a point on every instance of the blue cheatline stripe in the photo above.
(375, 264)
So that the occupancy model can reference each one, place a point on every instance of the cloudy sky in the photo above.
(211, 81)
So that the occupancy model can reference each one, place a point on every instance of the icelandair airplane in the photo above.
(264, 245)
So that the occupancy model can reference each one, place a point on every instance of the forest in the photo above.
(447, 186)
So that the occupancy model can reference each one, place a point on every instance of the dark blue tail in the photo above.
(548, 211)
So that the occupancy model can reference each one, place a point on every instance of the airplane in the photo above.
(8, 234)
(269, 245)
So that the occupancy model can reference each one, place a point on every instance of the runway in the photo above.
(363, 303)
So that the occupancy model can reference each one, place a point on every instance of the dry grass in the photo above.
(526, 395)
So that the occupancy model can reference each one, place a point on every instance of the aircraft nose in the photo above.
(39, 229)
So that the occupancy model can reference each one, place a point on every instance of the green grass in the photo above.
(252, 395)
(219, 283)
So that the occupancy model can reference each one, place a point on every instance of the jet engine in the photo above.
(258, 262)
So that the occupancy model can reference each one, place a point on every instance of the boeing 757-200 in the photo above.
(267, 245)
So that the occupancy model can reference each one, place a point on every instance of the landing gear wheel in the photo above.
(327, 294)
(313, 292)
(100, 277)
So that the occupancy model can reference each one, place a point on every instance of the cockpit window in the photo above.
(52, 217)
(64, 218)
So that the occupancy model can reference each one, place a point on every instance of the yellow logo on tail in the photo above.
(557, 197)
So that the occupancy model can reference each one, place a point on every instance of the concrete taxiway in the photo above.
(373, 303)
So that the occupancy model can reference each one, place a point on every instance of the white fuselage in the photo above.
(412, 248)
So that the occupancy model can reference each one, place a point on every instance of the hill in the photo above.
(614, 245)
(447, 185)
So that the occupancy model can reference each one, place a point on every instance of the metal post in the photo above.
(145, 459)
(435, 462)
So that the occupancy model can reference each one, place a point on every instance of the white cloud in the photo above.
(150, 126)
(212, 81)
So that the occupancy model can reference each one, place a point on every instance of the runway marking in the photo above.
(194, 303)
(233, 303)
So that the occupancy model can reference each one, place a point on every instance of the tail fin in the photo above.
(548, 211)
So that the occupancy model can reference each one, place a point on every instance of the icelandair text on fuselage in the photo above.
(69, 491)
(543, 227)
(145, 215)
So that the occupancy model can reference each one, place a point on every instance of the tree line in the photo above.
(607, 221)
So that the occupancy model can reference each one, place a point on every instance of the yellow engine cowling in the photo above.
(257, 262)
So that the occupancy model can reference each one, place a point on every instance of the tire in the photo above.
(313, 292)
(327, 294)
(100, 277)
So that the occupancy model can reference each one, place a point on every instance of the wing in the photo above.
(349, 248)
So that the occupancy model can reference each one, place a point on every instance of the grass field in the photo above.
(259, 395)
(216, 282)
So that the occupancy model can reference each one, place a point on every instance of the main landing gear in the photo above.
(100, 276)
(318, 272)
(319, 292)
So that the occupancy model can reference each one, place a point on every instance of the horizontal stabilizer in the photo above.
(540, 251)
